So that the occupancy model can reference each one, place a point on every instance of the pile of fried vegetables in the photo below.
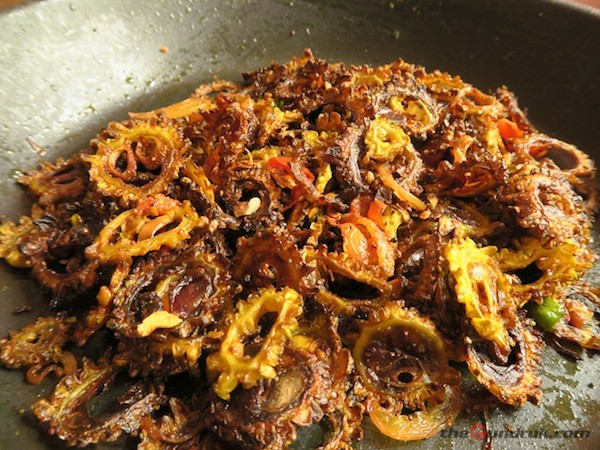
(317, 244)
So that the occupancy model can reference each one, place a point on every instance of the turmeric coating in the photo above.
(314, 245)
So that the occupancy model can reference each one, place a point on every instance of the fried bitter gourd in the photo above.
(312, 245)
(231, 364)
(411, 391)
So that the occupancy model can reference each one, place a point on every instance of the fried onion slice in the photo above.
(367, 244)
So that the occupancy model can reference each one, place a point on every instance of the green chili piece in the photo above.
(547, 314)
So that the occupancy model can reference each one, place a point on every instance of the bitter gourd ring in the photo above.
(156, 221)
(232, 363)
(137, 161)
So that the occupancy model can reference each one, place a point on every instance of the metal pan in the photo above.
(69, 67)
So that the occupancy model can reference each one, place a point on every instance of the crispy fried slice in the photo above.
(410, 390)
(10, 239)
(247, 238)
(514, 380)
(270, 259)
(267, 414)
(65, 412)
(129, 155)
(319, 334)
(346, 284)
(545, 203)
(415, 110)
(483, 289)
(39, 346)
(163, 356)
(180, 429)
(56, 244)
(193, 286)
(57, 182)
(559, 263)
(578, 166)
(231, 365)
(580, 324)
(154, 222)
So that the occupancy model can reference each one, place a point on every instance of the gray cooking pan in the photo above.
(67, 67)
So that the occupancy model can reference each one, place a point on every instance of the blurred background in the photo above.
(5, 4)
(594, 3)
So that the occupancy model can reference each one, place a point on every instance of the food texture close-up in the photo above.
(285, 241)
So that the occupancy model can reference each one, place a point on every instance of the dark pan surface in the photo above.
(69, 67)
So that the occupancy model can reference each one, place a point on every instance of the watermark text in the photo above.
(479, 432)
